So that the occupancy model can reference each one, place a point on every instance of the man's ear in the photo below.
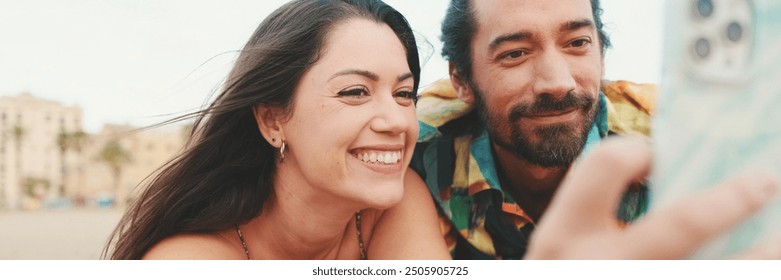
(461, 86)
(269, 122)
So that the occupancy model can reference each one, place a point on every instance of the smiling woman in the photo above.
(304, 153)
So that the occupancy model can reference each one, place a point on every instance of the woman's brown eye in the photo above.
(406, 94)
(357, 92)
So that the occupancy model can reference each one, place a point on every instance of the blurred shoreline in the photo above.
(56, 234)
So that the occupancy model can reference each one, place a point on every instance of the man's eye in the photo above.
(513, 54)
(580, 43)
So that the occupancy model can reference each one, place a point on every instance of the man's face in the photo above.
(536, 73)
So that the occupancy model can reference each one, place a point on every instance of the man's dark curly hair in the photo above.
(460, 25)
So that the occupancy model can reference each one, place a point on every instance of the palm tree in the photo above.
(18, 133)
(78, 139)
(63, 142)
(115, 156)
(69, 141)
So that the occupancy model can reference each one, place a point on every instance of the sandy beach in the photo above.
(73, 234)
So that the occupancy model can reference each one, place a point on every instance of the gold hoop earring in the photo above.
(282, 151)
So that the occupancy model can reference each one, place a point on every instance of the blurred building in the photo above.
(31, 162)
(120, 157)
(47, 160)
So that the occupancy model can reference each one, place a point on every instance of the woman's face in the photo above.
(353, 126)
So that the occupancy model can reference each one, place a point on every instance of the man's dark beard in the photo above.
(559, 145)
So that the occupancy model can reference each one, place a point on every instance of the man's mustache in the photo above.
(546, 103)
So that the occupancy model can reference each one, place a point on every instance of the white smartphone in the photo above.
(719, 109)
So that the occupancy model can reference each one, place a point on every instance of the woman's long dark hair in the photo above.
(226, 171)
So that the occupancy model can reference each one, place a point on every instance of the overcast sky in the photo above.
(131, 61)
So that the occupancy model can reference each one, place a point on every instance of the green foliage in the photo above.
(30, 183)
(114, 155)
(18, 133)
(71, 140)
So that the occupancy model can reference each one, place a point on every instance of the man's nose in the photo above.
(554, 75)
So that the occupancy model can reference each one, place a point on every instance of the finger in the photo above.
(769, 250)
(597, 182)
(676, 231)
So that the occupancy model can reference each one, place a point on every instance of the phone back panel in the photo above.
(719, 110)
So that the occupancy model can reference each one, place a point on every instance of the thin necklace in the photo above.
(360, 237)
(243, 244)
(357, 226)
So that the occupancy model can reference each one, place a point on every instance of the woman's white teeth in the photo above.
(377, 157)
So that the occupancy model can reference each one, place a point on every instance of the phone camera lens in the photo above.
(734, 31)
(702, 48)
(704, 8)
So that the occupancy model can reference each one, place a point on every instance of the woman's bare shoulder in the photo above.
(198, 246)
